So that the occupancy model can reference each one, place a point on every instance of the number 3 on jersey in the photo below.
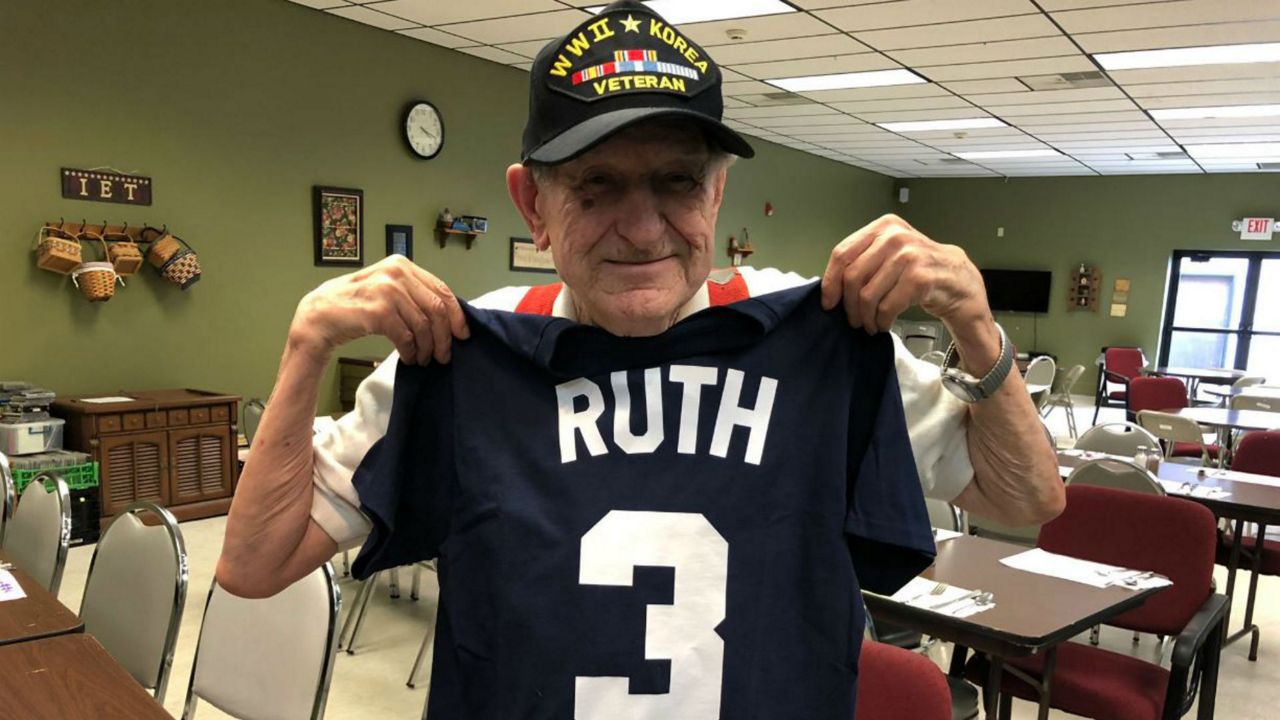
(682, 632)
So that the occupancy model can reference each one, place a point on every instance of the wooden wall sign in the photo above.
(103, 186)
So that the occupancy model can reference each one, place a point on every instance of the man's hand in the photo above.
(394, 298)
(888, 266)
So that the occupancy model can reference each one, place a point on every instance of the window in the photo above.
(1221, 312)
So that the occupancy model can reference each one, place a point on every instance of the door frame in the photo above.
(1244, 332)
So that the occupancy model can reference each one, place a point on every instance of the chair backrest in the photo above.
(1157, 393)
(936, 357)
(944, 515)
(1069, 379)
(36, 538)
(8, 496)
(1173, 429)
(1126, 362)
(1170, 536)
(268, 658)
(252, 416)
(1120, 438)
(1117, 474)
(1249, 381)
(894, 683)
(135, 592)
(1258, 452)
(1266, 403)
(918, 345)
(1040, 372)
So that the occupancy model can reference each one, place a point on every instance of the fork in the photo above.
(938, 589)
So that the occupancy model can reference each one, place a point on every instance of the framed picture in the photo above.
(339, 225)
(400, 240)
(525, 257)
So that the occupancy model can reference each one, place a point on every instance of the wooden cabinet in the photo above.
(172, 447)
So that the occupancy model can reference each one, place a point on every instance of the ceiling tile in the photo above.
(792, 48)
(1072, 118)
(1256, 98)
(959, 33)
(818, 66)
(1164, 14)
(521, 27)
(989, 86)
(1087, 106)
(1204, 87)
(435, 12)
(1052, 5)
(729, 75)
(807, 121)
(780, 111)
(527, 48)
(436, 37)
(903, 115)
(904, 13)
(747, 87)
(1125, 78)
(1009, 68)
(371, 17)
(1181, 36)
(1050, 126)
(494, 54)
(321, 4)
(878, 93)
(758, 29)
(941, 101)
(1035, 97)
(985, 52)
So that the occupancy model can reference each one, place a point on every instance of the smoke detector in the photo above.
(736, 34)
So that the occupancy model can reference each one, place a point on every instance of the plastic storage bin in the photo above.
(31, 437)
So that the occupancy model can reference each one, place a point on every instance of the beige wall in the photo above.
(236, 108)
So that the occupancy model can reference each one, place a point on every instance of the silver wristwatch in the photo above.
(969, 388)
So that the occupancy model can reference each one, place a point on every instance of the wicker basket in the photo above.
(183, 269)
(124, 254)
(162, 248)
(57, 251)
(96, 280)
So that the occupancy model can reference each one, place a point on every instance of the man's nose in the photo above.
(640, 219)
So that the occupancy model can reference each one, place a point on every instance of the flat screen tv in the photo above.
(1018, 290)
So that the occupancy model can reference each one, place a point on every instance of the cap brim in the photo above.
(591, 132)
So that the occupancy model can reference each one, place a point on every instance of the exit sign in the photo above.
(1256, 228)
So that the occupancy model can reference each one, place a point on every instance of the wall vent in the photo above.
(1066, 81)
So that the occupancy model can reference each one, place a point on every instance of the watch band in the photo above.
(972, 389)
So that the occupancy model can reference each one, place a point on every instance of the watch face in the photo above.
(424, 130)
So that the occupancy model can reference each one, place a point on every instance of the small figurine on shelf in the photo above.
(446, 218)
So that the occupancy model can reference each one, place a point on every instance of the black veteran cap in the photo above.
(614, 70)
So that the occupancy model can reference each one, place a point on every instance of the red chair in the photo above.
(1120, 365)
(1166, 394)
(1257, 452)
(1170, 536)
(894, 683)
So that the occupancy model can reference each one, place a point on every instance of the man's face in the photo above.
(632, 225)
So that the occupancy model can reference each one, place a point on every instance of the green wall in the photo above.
(236, 108)
(1126, 225)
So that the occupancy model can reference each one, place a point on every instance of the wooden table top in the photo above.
(141, 400)
(1233, 419)
(1032, 612)
(1255, 501)
(70, 677)
(1210, 375)
(38, 615)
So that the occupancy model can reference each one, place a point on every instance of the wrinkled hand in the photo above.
(888, 266)
(393, 298)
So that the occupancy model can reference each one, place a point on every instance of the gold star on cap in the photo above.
(631, 24)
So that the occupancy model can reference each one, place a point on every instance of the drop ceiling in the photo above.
(981, 58)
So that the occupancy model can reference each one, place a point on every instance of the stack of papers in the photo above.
(1085, 572)
(954, 601)
(9, 587)
(940, 535)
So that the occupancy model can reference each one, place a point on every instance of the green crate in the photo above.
(78, 477)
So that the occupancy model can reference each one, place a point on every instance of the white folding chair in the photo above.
(1119, 438)
(1174, 429)
(1061, 398)
(252, 415)
(270, 658)
(136, 591)
(8, 497)
(934, 357)
(1266, 403)
(37, 537)
(918, 345)
(945, 516)
(1115, 474)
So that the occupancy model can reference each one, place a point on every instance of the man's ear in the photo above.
(524, 193)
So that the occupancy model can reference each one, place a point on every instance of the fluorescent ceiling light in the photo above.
(841, 81)
(678, 12)
(1007, 154)
(1178, 57)
(1223, 111)
(1231, 151)
(929, 125)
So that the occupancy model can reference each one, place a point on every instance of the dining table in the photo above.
(70, 677)
(38, 615)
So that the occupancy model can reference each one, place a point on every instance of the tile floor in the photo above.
(371, 683)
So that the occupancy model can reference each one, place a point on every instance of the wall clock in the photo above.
(423, 129)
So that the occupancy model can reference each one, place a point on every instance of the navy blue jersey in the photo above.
(668, 528)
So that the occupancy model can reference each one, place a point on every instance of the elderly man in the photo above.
(622, 175)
